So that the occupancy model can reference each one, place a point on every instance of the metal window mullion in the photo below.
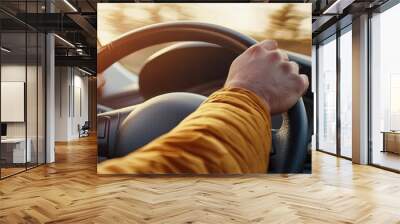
(369, 100)
(60, 91)
(37, 91)
(0, 96)
(69, 93)
(45, 95)
(317, 97)
(26, 86)
(338, 95)
(73, 92)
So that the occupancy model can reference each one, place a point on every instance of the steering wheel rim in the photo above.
(291, 149)
(170, 32)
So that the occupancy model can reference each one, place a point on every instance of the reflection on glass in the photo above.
(346, 94)
(327, 96)
(385, 84)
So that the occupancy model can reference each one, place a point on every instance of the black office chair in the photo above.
(84, 130)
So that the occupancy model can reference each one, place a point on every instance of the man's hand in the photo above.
(267, 72)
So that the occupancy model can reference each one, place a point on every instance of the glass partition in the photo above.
(14, 151)
(22, 77)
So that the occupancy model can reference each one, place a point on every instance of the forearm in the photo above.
(229, 133)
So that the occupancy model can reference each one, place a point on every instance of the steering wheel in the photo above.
(289, 139)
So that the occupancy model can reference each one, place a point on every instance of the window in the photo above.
(313, 89)
(385, 87)
(327, 96)
(346, 93)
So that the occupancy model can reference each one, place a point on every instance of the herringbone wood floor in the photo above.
(69, 191)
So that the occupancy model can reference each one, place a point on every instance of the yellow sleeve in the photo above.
(229, 133)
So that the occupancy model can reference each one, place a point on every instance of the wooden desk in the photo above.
(19, 155)
(391, 141)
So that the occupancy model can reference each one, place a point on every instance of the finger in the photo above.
(306, 83)
(284, 55)
(269, 44)
(274, 56)
(290, 67)
(295, 67)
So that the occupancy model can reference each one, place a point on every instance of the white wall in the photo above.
(80, 105)
(71, 103)
(16, 73)
(61, 103)
(12, 73)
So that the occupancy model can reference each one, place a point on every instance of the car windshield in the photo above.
(287, 23)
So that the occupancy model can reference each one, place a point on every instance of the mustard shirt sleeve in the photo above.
(229, 133)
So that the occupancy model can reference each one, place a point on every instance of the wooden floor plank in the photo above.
(70, 191)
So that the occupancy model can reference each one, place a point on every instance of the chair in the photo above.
(84, 130)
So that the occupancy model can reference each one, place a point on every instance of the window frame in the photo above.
(334, 37)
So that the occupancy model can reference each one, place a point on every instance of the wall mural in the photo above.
(158, 63)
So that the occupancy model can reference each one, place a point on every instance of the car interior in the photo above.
(197, 64)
